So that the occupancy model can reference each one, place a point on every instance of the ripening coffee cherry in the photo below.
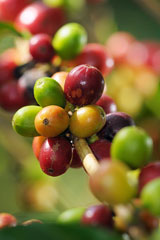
(38, 18)
(69, 40)
(40, 47)
(107, 104)
(11, 98)
(101, 149)
(76, 161)
(115, 122)
(7, 220)
(84, 85)
(148, 173)
(150, 197)
(132, 146)
(110, 183)
(9, 9)
(37, 144)
(87, 121)
(98, 215)
(51, 121)
(27, 81)
(95, 54)
(7, 68)
(55, 156)
(60, 77)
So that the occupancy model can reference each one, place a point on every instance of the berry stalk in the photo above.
(87, 157)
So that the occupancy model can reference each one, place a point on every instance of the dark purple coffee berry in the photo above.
(114, 122)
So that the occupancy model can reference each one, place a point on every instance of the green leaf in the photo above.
(155, 235)
(6, 42)
(45, 217)
(9, 28)
(8, 34)
(57, 232)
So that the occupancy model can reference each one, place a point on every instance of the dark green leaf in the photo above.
(57, 232)
(133, 17)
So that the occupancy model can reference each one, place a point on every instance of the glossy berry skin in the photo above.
(11, 98)
(148, 173)
(40, 47)
(132, 146)
(69, 40)
(115, 122)
(101, 149)
(87, 121)
(110, 183)
(7, 68)
(23, 121)
(38, 18)
(55, 156)
(84, 85)
(95, 54)
(107, 104)
(27, 81)
(60, 77)
(49, 92)
(51, 121)
(7, 220)
(150, 197)
(9, 9)
(76, 161)
(98, 215)
(37, 144)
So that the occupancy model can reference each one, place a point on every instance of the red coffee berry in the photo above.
(7, 220)
(6, 70)
(76, 161)
(9, 9)
(55, 156)
(84, 85)
(11, 99)
(95, 54)
(40, 47)
(101, 149)
(107, 104)
(99, 215)
(38, 18)
(148, 173)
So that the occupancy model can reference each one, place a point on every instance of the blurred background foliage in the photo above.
(24, 187)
